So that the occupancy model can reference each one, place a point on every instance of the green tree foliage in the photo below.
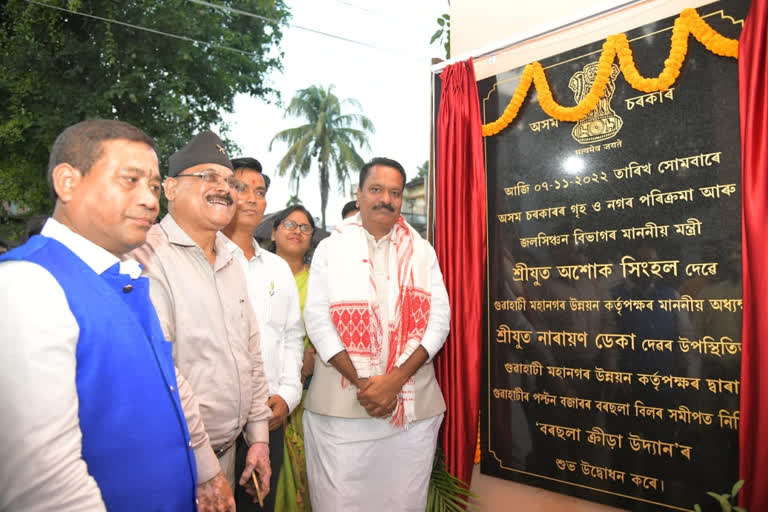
(330, 138)
(443, 34)
(423, 169)
(293, 201)
(58, 68)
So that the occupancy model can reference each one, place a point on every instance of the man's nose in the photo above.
(223, 186)
(148, 199)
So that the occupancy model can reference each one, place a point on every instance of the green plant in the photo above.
(726, 499)
(443, 34)
(446, 492)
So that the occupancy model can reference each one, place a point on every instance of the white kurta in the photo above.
(275, 301)
(356, 462)
(41, 441)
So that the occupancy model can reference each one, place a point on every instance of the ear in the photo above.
(169, 187)
(272, 237)
(65, 179)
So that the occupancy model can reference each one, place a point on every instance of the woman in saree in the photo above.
(292, 235)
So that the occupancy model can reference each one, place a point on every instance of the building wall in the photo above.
(485, 24)
(414, 207)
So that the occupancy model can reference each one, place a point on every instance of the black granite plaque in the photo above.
(611, 364)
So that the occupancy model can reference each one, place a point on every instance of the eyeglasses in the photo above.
(213, 178)
(306, 229)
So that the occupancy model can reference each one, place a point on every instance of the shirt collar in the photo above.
(96, 257)
(235, 249)
(257, 250)
(383, 240)
(176, 235)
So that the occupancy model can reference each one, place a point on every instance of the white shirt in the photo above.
(325, 396)
(322, 330)
(40, 439)
(275, 300)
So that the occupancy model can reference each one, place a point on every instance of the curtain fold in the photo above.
(460, 243)
(753, 113)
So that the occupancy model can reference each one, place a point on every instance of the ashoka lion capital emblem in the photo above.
(602, 122)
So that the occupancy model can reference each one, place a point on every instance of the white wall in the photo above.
(482, 24)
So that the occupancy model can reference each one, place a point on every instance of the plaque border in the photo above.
(489, 450)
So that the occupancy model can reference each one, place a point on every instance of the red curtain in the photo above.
(753, 111)
(460, 235)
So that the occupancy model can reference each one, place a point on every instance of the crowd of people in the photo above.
(178, 365)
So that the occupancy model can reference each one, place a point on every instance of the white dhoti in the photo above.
(364, 465)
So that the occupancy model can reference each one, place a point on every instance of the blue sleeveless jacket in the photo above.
(135, 438)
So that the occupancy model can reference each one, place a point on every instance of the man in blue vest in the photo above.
(90, 407)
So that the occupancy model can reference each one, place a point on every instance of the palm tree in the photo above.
(330, 138)
(293, 200)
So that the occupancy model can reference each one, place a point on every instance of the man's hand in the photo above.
(215, 495)
(378, 394)
(258, 459)
(279, 411)
(308, 366)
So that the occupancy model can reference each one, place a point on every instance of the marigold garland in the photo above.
(477, 447)
(688, 23)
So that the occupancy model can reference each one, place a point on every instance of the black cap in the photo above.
(205, 148)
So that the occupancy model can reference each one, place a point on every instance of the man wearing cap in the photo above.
(199, 291)
(275, 300)
(91, 406)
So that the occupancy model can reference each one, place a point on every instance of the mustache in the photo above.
(385, 206)
(224, 197)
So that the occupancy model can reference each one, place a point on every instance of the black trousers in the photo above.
(243, 499)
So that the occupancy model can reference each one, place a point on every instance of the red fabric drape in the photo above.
(460, 237)
(753, 111)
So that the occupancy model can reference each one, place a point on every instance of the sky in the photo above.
(391, 82)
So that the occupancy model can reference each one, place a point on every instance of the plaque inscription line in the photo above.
(501, 464)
